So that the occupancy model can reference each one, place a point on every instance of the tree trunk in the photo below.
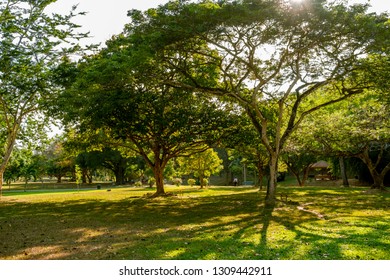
(1, 183)
(84, 176)
(378, 181)
(201, 182)
(228, 178)
(11, 139)
(89, 177)
(378, 177)
(158, 171)
(306, 171)
(343, 172)
(270, 198)
(260, 170)
(119, 175)
(296, 174)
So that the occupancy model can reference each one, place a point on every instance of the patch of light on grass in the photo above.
(211, 256)
(42, 253)
(174, 254)
(87, 234)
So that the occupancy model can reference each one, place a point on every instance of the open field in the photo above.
(214, 223)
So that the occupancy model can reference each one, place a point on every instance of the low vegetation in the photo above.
(213, 223)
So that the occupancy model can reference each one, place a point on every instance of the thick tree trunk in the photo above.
(89, 179)
(378, 181)
(378, 177)
(343, 172)
(119, 176)
(158, 171)
(59, 178)
(270, 198)
(260, 170)
(300, 182)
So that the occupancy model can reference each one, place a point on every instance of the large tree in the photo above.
(30, 45)
(114, 92)
(270, 56)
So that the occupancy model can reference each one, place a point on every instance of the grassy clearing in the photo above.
(215, 223)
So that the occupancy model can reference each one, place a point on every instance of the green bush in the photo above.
(151, 182)
(177, 181)
(191, 182)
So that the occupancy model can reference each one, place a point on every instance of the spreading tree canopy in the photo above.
(120, 93)
(267, 56)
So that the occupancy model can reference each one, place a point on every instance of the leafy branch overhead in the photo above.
(269, 57)
(126, 96)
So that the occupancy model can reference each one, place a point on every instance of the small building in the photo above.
(320, 170)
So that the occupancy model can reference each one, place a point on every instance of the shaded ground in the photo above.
(215, 223)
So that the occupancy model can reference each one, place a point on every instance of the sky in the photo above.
(107, 18)
(104, 18)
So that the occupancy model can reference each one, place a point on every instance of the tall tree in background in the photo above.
(201, 165)
(270, 56)
(30, 46)
(357, 128)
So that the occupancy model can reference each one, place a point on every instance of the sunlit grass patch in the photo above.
(213, 223)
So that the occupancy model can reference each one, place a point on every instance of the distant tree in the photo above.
(115, 161)
(301, 153)
(29, 49)
(88, 162)
(202, 165)
(246, 147)
(191, 182)
(59, 162)
(14, 167)
(357, 128)
(299, 163)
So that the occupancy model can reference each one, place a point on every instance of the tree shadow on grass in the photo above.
(234, 226)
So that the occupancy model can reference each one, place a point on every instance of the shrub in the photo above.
(191, 182)
(151, 182)
(177, 182)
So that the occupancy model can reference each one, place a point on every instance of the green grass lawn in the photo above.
(214, 223)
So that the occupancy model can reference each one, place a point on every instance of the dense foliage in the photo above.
(270, 57)
(31, 45)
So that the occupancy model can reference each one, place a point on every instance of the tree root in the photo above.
(319, 215)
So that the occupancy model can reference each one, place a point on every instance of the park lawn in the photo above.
(215, 223)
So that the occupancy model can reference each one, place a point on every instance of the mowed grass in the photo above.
(214, 223)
